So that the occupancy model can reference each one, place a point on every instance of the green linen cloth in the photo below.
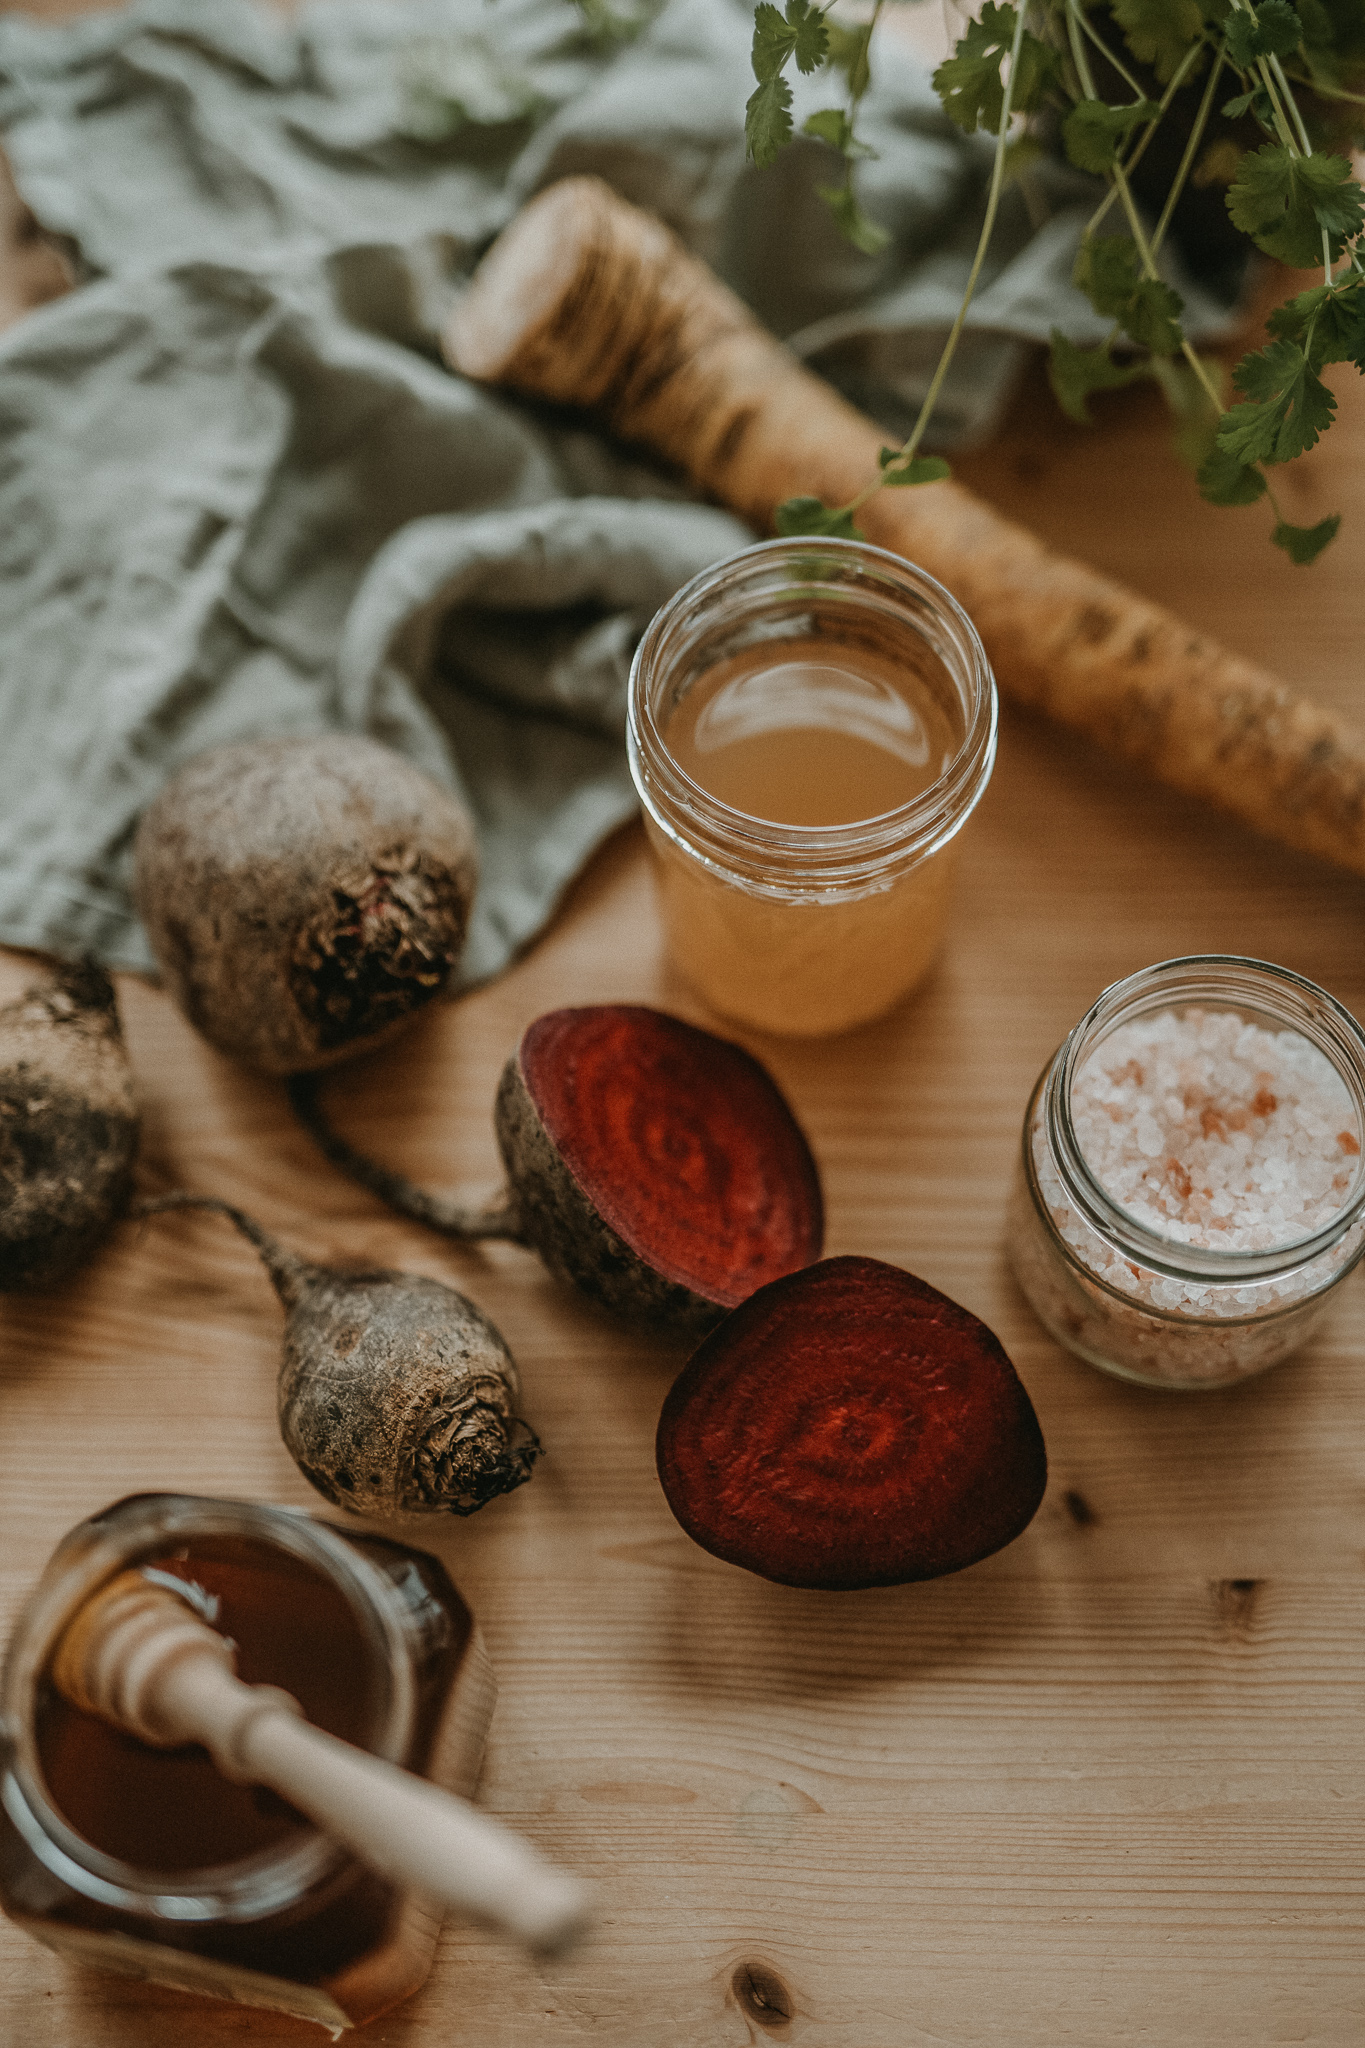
(240, 495)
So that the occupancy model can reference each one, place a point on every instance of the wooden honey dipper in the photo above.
(587, 301)
(138, 1655)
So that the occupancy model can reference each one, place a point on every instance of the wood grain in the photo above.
(1101, 1791)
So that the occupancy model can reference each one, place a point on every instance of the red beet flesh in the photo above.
(850, 1426)
(682, 1143)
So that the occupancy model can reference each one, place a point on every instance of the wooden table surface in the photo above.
(1104, 1788)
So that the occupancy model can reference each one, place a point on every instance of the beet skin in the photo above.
(68, 1126)
(395, 1393)
(850, 1426)
(303, 897)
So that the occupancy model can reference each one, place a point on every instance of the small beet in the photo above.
(68, 1126)
(303, 897)
(395, 1392)
(850, 1426)
(654, 1165)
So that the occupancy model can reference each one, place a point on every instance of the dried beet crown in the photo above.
(681, 1142)
(851, 1426)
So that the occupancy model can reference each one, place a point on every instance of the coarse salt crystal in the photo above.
(1211, 1130)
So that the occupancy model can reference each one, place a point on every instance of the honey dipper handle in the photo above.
(416, 1834)
(587, 301)
(405, 1827)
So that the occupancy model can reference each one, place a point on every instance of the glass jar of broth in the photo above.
(150, 1862)
(812, 722)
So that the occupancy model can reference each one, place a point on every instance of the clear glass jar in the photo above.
(1132, 1292)
(149, 1862)
(807, 929)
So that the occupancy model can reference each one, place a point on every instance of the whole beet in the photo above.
(395, 1393)
(68, 1126)
(303, 897)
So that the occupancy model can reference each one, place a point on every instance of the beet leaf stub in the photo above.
(682, 1142)
(850, 1426)
(377, 954)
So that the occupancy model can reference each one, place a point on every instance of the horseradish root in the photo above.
(395, 1393)
(850, 1426)
(68, 1126)
(303, 897)
(654, 1165)
(588, 302)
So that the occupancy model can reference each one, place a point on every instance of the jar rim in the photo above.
(820, 855)
(245, 1888)
(1259, 988)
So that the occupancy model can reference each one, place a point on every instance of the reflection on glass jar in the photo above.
(1190, 1186)
(150, 1862)
(811, 724)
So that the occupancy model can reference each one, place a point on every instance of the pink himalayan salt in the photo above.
(1213, 1131)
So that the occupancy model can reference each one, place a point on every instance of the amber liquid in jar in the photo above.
(805, 736)
(151, 1862)
(172, 1809)
(811, 724)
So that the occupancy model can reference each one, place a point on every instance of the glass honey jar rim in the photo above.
(757, 849)
(1259, 990)
(243, 1889)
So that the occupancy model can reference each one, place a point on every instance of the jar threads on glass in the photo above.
(152, 1863)
(840, 705)
(1190, 1189)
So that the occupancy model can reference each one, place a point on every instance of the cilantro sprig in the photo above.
(1028, 74)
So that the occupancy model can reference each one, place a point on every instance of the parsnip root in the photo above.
(587, 301)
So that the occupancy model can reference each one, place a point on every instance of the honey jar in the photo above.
(150, 1862)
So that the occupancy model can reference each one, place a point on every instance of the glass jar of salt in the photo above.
(1190, 1188)
(811, 725)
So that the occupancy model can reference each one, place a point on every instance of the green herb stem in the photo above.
(1201, 121)
(1124, 73)
(1148, 132)
(909, 446)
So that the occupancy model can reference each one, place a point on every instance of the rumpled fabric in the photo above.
(240, 495)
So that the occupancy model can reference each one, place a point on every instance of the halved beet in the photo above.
(850, 1426)
(655, 1165)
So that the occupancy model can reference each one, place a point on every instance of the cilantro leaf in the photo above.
(812, 37)
(1092, 133)
(1304, 544)
(918, 469)
(1037, 70)
(1274, 30)
(773, 42)
(1074, 373)
(1223, 480)
(1329, 320)
(768, 120)
(854, 224)
(968, 82)
(1108, 272)
(1284, 202)
(1285, 406)
(799, 33)
(812, 515)
(1159, 32)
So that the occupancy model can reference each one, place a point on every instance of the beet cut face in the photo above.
(850, 1426)
(655, 1164)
